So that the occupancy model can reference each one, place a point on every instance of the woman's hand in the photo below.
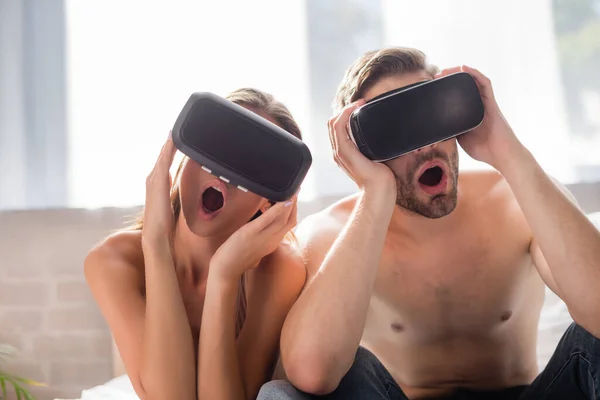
(158, 213)
(252, 242)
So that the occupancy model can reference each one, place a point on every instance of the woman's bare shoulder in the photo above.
(118, 256)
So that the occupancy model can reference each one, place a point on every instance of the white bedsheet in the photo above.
(119, 388)
(554, 320)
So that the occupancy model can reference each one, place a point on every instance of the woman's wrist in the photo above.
(221, 285)
(157, 249)
(222, 276)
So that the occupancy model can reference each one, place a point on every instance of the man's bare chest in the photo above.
(453, 284)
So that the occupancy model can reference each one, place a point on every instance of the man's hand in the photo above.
(492, 141)
(366, 173)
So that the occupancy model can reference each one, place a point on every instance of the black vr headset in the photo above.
(241, 147)
(415, 116)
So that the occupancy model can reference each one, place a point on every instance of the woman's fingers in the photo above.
(167, 154)
(165, 157)
(275, 217)
(292, 220)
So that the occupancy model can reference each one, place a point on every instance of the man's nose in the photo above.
(431, 146)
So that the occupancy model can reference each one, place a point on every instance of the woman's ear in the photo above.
(267, 204)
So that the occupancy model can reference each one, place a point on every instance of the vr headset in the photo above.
(241, 147)
(415, 116)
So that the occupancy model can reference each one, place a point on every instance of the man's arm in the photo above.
(323, 330)
(566, 245)
(568, 258)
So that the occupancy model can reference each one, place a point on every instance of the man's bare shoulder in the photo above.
(330, 221)
(285, 262)
(118, 255)
(485, 186)
(487, 196)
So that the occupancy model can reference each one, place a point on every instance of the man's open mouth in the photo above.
(433, 178)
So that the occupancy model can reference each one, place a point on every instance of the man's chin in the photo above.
(433, 208)
(440, 209)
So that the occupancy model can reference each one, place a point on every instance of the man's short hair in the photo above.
(378, 64)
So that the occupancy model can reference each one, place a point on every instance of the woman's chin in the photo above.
(212, 229)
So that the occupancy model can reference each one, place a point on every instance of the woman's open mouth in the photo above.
(433, 177)
(212, 199)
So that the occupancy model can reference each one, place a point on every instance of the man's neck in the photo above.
(417, 227)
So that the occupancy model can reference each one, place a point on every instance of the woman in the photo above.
(195, 294)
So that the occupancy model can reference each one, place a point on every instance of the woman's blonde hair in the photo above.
(265, 105)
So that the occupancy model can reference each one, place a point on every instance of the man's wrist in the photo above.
(378, 203)
(513, 160)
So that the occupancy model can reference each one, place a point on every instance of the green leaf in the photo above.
(29, 382)
(16, 386)
(25, 393)
(3, 384)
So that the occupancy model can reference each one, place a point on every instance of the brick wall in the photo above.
(46, 309)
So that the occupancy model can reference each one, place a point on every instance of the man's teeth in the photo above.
(217, 189)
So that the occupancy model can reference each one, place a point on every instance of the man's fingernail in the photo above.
(170, 135)
(289, 203)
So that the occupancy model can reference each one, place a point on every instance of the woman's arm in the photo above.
(236, 370)
(168, 361)
(218, 370)
(153, 336)
(223, 371)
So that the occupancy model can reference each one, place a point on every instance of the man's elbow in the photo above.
(587, 318)
(313, 374)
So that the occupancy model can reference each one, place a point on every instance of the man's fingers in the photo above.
(448, 71)
(330, 133)
(479, 77)
(483, 82)
(340, 126)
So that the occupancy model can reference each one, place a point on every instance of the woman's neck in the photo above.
(192, 253)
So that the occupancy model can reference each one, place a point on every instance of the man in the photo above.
(439, 276)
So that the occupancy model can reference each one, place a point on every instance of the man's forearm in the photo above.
(218, 370)
(324, 328)
(569, 241)
(168, 367)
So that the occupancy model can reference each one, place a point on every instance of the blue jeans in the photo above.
(572, 373)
